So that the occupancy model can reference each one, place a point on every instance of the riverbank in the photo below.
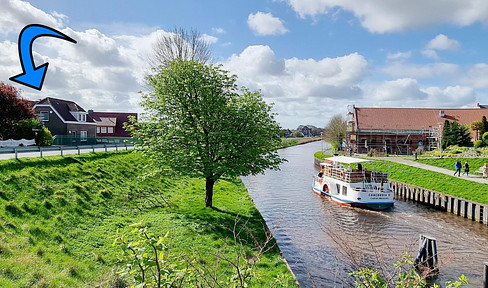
(297, 141)
(58, 216)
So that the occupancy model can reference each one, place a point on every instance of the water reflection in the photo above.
(306, 224)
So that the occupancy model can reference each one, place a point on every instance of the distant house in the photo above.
(66, 120)
(111, 124)
(403, 130)
(306, 131)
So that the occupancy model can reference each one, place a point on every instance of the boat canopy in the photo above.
(345, 159)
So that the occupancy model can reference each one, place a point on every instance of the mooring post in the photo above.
(427, 256)
(485, 275)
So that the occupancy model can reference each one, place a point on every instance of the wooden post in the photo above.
(427, 256)
(485, 275)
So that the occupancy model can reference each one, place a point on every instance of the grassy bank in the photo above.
(293, 142)
(455, 186)
(57, 216)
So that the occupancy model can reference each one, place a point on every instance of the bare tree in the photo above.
(335, 132)
(180, 44)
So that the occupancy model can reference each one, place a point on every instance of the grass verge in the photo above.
(58, 215)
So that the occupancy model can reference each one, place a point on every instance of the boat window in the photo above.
(338, 188)
(344, 190)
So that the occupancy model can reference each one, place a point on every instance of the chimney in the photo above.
(90, 111)
(442, 114)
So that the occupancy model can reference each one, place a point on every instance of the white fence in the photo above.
(16, 143)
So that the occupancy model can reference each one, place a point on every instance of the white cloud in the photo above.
(442, 42)
(399, 56)
(429, 53)
(477, 76)
(301, 88)
(395, 15)
(15, 14)
(218, 30)
(265, 24)
(209, 39)
(399, 69)
(405, 88)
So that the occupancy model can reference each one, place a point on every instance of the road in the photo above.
(66, 151)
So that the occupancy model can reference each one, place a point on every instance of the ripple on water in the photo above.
(310, 229)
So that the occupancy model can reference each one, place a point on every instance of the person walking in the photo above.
(458, 168)
(466, 168)
(484, 169)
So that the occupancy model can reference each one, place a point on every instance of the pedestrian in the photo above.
(484, 169)
(466, 168)
(458, 168)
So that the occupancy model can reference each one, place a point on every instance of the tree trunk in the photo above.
(209, 184)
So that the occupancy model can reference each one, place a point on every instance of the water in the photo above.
(311, 231)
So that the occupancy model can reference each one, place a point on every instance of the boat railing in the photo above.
(352, 175)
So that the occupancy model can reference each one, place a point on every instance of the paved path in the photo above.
(83, 149)
(472, 177)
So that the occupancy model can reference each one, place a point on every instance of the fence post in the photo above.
(485, 275)
(93, 148)
(105, 145)
(116, 147)
(79, 152)
(15, 150)
(40, 151)
(126, 146)
(61, 148)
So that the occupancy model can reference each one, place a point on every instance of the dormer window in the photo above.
(81, 117)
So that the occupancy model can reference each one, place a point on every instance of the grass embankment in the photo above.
(293, 142)
(451, 185)
(57, 216)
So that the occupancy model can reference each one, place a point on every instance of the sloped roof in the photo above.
(413, 118)
(107, 121)
(119, 119)
(64, 107)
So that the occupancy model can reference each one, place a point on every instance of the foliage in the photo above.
(476, 126)
(404, 275)
(296, 134)
(200, 124)
(335, 132)
(455, 134)
(66, 207)
(321, 155)
(478, 143)
(147, 258)
(30, 129)
(12, 108)
(484, 137)
(484, 126)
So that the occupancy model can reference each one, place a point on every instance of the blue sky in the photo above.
(311, 58)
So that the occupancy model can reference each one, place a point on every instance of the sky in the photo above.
(311, 58)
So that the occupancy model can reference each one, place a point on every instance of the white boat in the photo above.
(353, 187)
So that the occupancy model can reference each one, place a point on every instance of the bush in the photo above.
(478, 144)
(485, 138)
(44, 137)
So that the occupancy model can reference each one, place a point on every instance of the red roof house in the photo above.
(111, 124)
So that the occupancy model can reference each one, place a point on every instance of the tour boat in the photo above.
(353, 187)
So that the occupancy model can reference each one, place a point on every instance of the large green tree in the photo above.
(455, 134)
(335, 132)
(199, 123)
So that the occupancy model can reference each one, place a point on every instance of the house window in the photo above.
(104, 130)
(344, 190)
(110, 130)
(98, 130)
(83, 135)
(44, 116)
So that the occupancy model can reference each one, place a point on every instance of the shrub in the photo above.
(485, 138)
(478, 144)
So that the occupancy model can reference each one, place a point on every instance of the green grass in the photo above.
(448, 163)
(293, 142)
(57, 216)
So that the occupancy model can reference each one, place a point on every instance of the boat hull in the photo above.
(350, 203)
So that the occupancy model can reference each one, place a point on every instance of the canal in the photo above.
(313, 233)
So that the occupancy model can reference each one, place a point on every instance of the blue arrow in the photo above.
(34, 76)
